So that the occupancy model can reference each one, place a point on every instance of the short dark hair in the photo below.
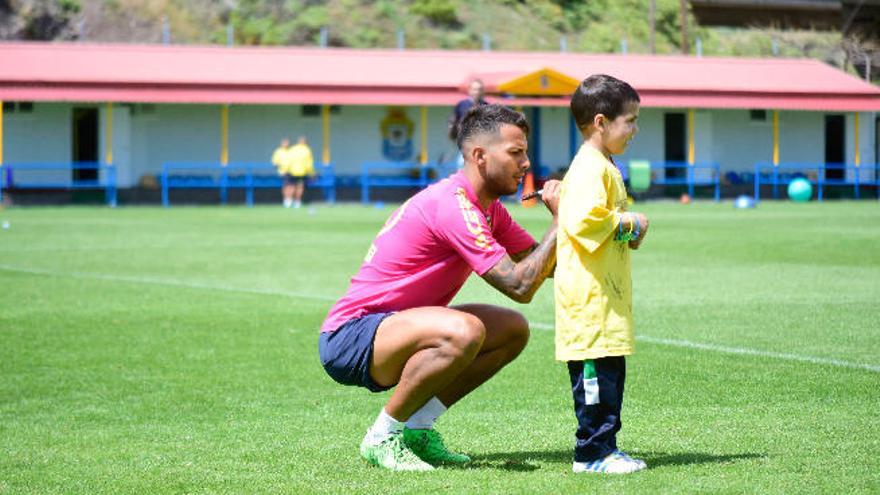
(600, 93)
(485, 119)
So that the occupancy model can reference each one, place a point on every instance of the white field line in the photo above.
(741, 350)
(166, 282)
(189, 247)
(537, 325)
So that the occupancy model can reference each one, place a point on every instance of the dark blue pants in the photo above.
(599, 423)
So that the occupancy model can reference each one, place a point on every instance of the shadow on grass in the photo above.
(517, 461)
(657, 459)
(526, 461)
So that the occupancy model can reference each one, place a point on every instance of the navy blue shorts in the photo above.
(346, 353)
(293, 180)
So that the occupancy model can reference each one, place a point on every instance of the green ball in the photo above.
(800, 190)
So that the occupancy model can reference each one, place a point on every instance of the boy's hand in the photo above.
(643, 222)
(550, 196)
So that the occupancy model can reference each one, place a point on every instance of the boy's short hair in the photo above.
(600, 93)
(485, 119)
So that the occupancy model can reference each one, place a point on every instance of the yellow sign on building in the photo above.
(543, 82)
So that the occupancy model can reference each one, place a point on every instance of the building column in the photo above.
(691, 145)
(110, 172)
(325, 118)
(775, 138)
(108, 135)
(423, 154)
(775, 153)
(858, 155)
(224, 135)
(857, 158)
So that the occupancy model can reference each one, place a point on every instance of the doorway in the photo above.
(675, 138)
(835, 139)
(85, 143)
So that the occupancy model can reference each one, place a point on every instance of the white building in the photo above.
(136, 108)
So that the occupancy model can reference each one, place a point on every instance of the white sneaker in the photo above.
(614, 463)
(639, 461)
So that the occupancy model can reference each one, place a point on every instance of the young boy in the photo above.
(593, 280)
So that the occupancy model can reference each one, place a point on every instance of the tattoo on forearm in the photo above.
(520, 280)
(517, 257)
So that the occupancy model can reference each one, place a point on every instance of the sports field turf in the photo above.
(174, 351)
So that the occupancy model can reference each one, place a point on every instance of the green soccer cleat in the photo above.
(392, 453)
(428, 445)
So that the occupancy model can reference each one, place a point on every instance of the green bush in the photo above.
(442, 12)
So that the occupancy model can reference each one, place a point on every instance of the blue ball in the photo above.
(800, 190)
(744, 201)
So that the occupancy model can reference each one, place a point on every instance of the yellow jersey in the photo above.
(279, 157)
(593, 281)
(299, 161)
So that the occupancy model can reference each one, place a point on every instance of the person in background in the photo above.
(279, 160)
(474, 99)
(300, 166)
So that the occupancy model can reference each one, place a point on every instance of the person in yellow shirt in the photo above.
(593, 284)
(279, 160)
(300, 165)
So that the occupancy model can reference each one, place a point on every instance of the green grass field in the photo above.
(174, 351)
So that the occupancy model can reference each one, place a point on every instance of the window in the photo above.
(315, 110)
(21, 106)
(758, 115)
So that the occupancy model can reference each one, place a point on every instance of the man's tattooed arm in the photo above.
(519, 256)
(520, 279)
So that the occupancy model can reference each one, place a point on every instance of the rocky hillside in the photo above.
(574, 25)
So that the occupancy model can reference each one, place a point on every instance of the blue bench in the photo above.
(247, 176)
(780, 175)
(392, 174)
(325, 179)
(691, 178)
(59, 176)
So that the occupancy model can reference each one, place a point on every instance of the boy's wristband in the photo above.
(628, 235)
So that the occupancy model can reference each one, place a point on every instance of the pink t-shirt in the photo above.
(426, 251)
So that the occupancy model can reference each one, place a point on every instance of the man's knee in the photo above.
(518, 332)
(464, 335)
